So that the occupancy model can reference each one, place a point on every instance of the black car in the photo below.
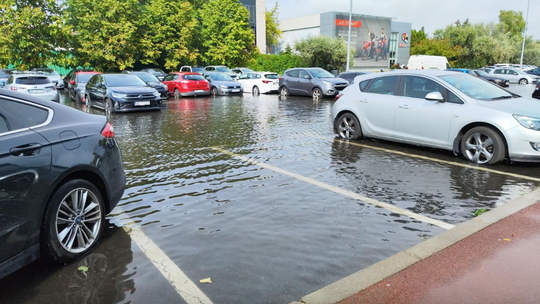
(535, 71)
(69, 75)
(536, 92)
(121, 93)
(156, 72)
(77, 85)
(60, 173)
(151, 81)
(499, 81)
(349, 76)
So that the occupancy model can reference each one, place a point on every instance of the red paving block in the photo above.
(499, 264)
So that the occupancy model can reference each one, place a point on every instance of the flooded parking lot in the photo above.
(256, 194)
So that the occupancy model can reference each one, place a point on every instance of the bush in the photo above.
(276, 63)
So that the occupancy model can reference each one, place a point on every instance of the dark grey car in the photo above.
(60, 173)
(315, 82)
(222, 84)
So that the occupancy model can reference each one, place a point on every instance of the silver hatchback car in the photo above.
(34, 84)
(446, 110)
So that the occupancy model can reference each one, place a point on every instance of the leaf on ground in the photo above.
(83, 268)
(508, 240)
(207, 280)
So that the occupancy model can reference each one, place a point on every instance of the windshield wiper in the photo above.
(502, 97)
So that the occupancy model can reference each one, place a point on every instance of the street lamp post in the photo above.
(349, 39)
(524, 35)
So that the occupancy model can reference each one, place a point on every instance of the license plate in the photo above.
(236, 90)
(142, 103)
(36, 91)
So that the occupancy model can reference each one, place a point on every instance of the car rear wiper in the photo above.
(502, 97)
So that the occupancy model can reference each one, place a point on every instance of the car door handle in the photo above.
(364, 100)
(406, 107)
(26, 150)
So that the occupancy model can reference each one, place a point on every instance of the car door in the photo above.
(291, 81)
(100, 91)
(245, 82)
(418, 120)
(376, 106)
(304, 84)
(168, 82)
(25, 163)
(513, 76)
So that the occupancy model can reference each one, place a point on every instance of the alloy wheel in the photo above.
(479, 148)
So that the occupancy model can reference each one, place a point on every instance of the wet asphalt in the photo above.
(260, 235)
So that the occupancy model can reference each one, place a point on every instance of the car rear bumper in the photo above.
(193, 93)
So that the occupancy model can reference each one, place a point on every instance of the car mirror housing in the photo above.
(435, 96)
(307, 77)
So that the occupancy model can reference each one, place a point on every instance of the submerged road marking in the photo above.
(350, 194)
(178, 279)
(536, 179)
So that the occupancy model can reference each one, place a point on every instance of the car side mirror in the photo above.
(99, 85)
(435, 96)
(307, 77)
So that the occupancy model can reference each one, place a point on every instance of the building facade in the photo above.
(378, 41)
(257, 21)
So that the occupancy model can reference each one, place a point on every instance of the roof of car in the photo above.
(88, 72)
(185, 73)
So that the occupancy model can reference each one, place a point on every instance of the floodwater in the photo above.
(262, 236)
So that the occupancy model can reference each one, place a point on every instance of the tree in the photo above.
(324, 52)
(273, 33)
(512, 22)
(167, 35)
(226, 35)
(32, 33)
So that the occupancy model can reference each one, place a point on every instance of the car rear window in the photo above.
(197, 70)
(83, 78)
(193, 77)
(271, 76)
(32, 80)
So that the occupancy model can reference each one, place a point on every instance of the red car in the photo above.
(186, 84)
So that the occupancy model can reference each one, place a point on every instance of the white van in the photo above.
(427, 62)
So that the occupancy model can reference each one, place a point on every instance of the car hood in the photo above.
(226, 83)
(335, 80)
(521, 106)
(132, 90)
(155, 84)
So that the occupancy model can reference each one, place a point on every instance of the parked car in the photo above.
(534, 71)
(314, 82)
(152, 82)
(156, 72)
(77, 85)
(241, 71)
(121, 93)
(222, 84)
(498, 81)
(536, 92)
(514, 76)
(186, 84)
(427, 62)
(195, 69)
(259, 82)
(221, 68)
(349, 76)
(446, 110)
(69, 76)
(60, 173)
(34, 84)
(53, 76)
(4, 76)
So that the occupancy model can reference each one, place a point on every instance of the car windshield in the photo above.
(193, 77)
(320, 73)
(220, 77)
(146, 77)
(482, 73)
(476, 88)
(83, 78)
(197, 69)
(271, 76)
(32, 80)
(123, 81)
(223, 69)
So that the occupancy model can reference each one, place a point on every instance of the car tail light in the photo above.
(422, 68)
(13, 88)
(338, 96)
(72, 82)
(279, 79)
(267, 81)
(536, 88)
(108, 131)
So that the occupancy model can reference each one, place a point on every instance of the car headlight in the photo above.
(118, 95)
(326, 82)
(532, 123)
(223, 87)
(157, 94)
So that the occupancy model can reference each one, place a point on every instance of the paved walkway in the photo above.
(498, 264)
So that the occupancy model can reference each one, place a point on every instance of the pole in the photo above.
(524, 35)
(349, 40)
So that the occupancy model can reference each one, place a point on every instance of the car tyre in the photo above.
(215, 91)
(523, 81)
(348, 127)
(283, 91)
(316, 93)
(73, 222)
(88, 102)
(109, 109)
(483, 145)
(256, 91)
(177, 93)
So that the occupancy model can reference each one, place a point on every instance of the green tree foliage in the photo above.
(167, 34)
(512, 22)
(226, 35)
(273, 33)
(276, 63)
(324, 52)
(32, 33)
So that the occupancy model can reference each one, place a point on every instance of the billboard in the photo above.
(370, 36)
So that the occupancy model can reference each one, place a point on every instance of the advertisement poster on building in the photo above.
(370, 36)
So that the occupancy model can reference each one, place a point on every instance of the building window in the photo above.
(393, 45)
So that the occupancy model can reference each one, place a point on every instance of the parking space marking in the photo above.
(343, 192)
(535, 179)
(178, 279)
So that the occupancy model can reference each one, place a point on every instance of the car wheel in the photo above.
(256, 91)
(73, 221)
(108, 107)
(177, 94)
(88, 101)
(215, 91)
(70, 96)
(316, 93)
(523, 81)
(348, 127)
(483, 145)
(283, 91)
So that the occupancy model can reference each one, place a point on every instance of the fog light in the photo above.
(535, 146)
(330, 92)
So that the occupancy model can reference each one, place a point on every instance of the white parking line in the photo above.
(350, 194)
(178, 279)
(431, 159)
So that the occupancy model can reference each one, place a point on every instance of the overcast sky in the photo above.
(431, 14)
